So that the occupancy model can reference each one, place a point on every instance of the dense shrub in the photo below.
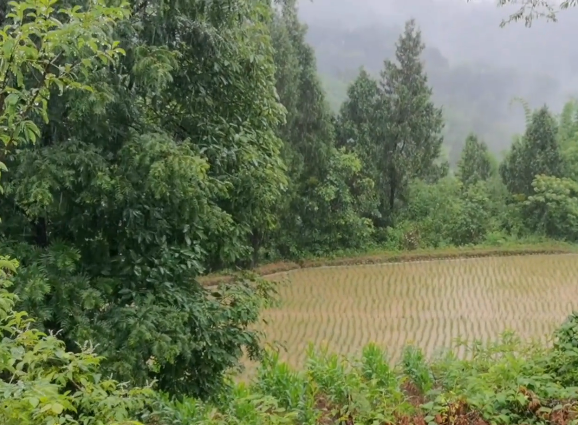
(446, 214)
(41, 383)
(553, 208)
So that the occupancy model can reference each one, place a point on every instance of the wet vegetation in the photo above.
(148, 143)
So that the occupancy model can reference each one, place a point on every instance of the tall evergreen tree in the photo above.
(568, 124)
(308, 130)
(568, 138)
(323, 207)
(356, 115)
(475, 164)
(414, 124)
(536, 153)
(397, 126)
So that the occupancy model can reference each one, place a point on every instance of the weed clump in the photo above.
(502, 382)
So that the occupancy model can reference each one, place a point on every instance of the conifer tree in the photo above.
(396, 125)
(414, 124)
(568, 125)
(568, 138)
(308, 130)
(356, 116)
(536, 153)
(328, 192)
(475, 164)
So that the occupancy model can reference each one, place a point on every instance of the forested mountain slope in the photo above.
(476, 68)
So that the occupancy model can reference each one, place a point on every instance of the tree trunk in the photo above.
(256, 240)
(392, 194)
(41, 233)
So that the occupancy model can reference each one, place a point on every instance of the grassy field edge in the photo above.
(384, 257)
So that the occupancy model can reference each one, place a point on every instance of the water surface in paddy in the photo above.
(428, 303)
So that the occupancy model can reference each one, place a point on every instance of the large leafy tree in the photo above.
(42, 382)
(536, 153)
(169, 167)
(553, 207)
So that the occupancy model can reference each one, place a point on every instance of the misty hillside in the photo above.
(476, 67)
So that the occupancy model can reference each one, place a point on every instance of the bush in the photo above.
(43, 384)
(553, 208)
(447, 214)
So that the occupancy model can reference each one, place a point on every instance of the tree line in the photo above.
(476, 96)
(149, 143)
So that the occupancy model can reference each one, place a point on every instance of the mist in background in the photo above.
(476, 67)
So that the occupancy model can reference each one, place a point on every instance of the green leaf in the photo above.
(34, 401)
(57, 408)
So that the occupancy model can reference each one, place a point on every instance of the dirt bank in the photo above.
(398, 257)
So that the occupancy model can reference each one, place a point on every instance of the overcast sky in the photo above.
(465, 31)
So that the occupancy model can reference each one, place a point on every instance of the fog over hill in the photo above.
(475, 66)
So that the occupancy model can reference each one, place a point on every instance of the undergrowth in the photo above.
(380, 254)
(502, 382)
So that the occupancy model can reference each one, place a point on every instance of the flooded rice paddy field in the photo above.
(427, 303)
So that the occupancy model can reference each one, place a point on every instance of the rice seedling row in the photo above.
(428, 303)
